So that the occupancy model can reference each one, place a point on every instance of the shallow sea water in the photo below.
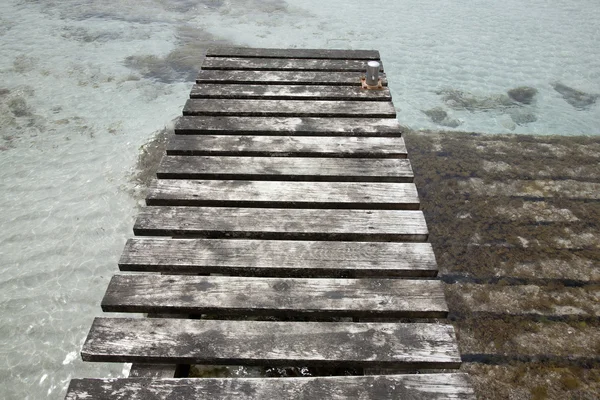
(83, 84)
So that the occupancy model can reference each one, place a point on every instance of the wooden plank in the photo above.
(278, 223)
(286, 169)
(222, 342)
(296, 126)
(287, 92)
(279, 257)
(411, 386)
(283, 108)
(284, 77)
(280, 297)
(287, 146)
(238, 193)
(284, 64)
(293, 53)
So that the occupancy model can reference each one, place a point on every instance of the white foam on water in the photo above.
(83, 84)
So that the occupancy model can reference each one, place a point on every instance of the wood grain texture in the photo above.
(287, 146)
(286, 108)
(414, 387)
(222, 342)
(286, 169)
(287, 92)
(317, 195)
(285, 64)
(293, 53)
(306, 126)
(278, 223)
(279, 257)
(284, 77)
(281, 297)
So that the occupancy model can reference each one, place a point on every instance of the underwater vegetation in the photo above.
(182, 63)
(578, 99)
(514, 222)
(518, 103)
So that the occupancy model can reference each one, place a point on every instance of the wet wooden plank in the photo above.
(283, 108)
(286, 169)
(306, 126)
(287, 146)
(281, 297)
(411, 386)
(279, 257)
(222, 342)
(284, 64)
(239, 193)
(287, 92)
(278, 223)
(333, 54)
(284, 77)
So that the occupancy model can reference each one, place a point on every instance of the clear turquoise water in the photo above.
(83, 84)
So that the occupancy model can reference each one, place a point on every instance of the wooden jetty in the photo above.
(283, 229)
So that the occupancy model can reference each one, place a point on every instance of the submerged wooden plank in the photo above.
(279, 257)
(287, 92)
(239, 193)
(283, 77)
(277, 223)
(221, 342)
(286, 169)
(411, 386)
(282, 297)
(293, 53)
(160, 371)
(287, 146)
(284, 64)
(305, 126)
(295, 108)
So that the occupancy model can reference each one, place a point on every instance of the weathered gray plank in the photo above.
(287, 92)
(284, 77)
(286, 169)
(287, 146)
(238, 193)
(282, 297)
(184, 341)
(279, 257)
(295, 108)
(333, 54)
(277, 223)
(296, 126)
(414, 387)
(284, 64)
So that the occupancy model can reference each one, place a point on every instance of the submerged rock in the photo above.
(18, 106)
(439, 116)
(460, 100)
(522, 94)
(522, 117)
(578, 99)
